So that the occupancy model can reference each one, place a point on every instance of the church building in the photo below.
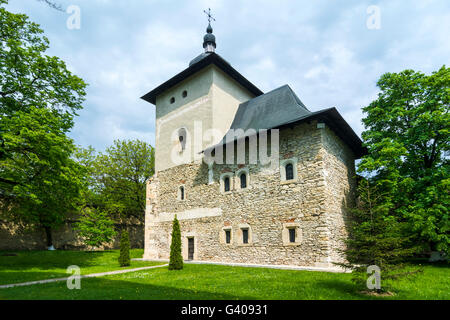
(291, 211)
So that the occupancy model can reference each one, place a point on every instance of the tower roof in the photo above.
(199, 63)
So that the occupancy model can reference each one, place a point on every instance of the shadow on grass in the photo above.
(107, 289)
(41, 265)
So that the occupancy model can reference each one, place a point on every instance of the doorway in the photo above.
(190, 248)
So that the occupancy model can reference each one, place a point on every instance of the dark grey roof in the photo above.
(201, 62)
(269, 110)
(199, 57)
(282, 108)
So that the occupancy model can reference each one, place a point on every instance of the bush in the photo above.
(124, 257)
(376, 238)
(176, 260)
(95, 227)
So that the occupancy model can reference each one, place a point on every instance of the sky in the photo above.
(330, 52)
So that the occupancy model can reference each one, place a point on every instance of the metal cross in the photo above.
(208, 13)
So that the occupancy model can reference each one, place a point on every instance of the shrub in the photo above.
(176, 260)
(124, 257)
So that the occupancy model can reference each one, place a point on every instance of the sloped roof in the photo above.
(196, 65)
(269, 110)
(282, 108)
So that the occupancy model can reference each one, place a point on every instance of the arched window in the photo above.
(184, 94)
(172, 100)
(182, 138)
(181, 193)
(243, 178)
(289, 171)
(226, 183)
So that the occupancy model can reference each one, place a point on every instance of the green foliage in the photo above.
(39, 182)
(376, 238)
(407, 136)
(96, 227)
(118, 177)
(124, 256)
(176, 260)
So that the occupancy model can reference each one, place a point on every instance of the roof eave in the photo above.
(211, 59)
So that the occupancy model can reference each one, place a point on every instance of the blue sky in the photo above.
(323, 49)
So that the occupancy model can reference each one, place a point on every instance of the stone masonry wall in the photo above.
(16, 237)
(267, 206)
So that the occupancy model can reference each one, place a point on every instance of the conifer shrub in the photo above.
(176, 260)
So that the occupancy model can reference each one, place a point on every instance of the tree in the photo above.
(176, 260)
(39, 97)
(96, 227)
(122, 173)
(375, 239)
(407, 136)
(43, 181)
(124, 257)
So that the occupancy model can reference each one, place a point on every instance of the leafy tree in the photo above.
(376, 238)
(124, 257)
(43, 181)
(176, 260)
(39, 97)
(96, 227)
(407, 136)
(122, 173)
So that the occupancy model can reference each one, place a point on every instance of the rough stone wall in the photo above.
(266, 207)
(340, 190)
(16, 237)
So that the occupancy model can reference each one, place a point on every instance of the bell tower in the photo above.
(195, 108)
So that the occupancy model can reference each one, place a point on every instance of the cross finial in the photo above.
(208, 13)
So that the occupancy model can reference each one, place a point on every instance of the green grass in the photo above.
(222, 282)
(41, 265)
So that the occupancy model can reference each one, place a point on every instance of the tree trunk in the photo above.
(48, 234)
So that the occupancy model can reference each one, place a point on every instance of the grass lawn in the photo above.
(41, 265)
(203, 281)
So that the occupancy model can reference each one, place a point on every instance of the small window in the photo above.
(245, 235)
(226, 183)
(228, 236)
(182, 138)
(243, 181)
(289, 171)
(181, 193)
(292, 235)
(184, 94)
(172, 100)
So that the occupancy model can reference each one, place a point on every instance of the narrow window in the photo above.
(245, 235)
(243, 181)
(289, 171)
(226, 183)
(184, 94)
(181, 193)
(172, 100)
(227, 236)
(182, 138)
(292, 235)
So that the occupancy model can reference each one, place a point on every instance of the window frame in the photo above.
(224, 176)
(286, 234)
(181, 194)
(283, 164)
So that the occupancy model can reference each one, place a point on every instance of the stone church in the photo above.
(247, 211)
